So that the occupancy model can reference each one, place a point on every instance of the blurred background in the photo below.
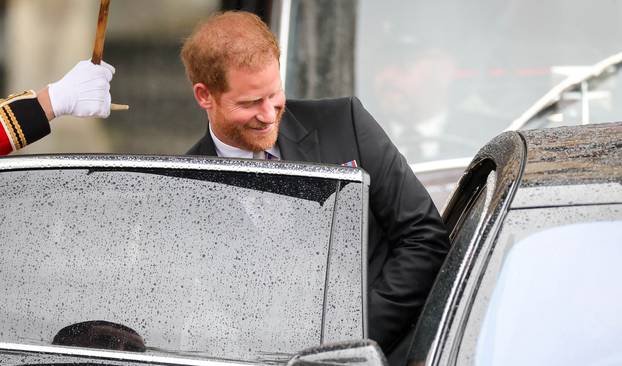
(443, 77)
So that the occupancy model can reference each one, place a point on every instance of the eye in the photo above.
(250, 103)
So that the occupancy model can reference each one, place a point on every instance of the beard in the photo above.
(243, 136)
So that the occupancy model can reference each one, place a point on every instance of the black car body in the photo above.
(535, 225)
(178, 260)
(204, 261)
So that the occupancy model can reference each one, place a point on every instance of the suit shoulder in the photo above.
(312, 104)
(205, 146)
(320, 111)
(194, 150)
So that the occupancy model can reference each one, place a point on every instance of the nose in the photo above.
(268, 111)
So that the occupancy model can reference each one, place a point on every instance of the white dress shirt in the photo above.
(227, 151)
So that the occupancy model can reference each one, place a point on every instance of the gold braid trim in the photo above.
(17, 126)
(18, 96)
(10, 128)
(7, 130)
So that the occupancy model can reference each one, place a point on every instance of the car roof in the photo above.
(537, 169)
(576, 165)
(573, 155)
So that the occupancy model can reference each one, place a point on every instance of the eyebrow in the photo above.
(250, 99)
(274, 91)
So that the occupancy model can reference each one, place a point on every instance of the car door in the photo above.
(473, 217)
(146, 258)
(535, 227)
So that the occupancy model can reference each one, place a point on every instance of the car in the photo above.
(178, 260)
(189, 261)
(532, 275)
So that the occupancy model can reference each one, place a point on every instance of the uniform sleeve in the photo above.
(416, 239)
(22, 121)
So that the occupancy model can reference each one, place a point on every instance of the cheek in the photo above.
(241, 116)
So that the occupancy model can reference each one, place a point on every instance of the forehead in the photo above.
(242, 80)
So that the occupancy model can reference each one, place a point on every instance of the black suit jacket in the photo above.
(407, 240)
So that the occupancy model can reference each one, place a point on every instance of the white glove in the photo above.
(84, 91)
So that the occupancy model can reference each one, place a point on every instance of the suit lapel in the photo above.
(205, 146)
(296, 142)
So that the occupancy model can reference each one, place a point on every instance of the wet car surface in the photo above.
(535, 226)
(178, 260)
(525, 207)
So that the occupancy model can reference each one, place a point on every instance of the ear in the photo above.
(203, 96)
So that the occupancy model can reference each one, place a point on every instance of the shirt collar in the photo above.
(227, 151)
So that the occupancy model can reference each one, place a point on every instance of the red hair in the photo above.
(232, 39)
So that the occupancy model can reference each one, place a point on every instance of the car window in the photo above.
(227, 265)
(550, 293)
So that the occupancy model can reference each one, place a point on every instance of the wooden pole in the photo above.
(98, 48)
(100, 36)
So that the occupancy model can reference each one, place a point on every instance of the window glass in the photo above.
(549, 294)
(557, 299)
(227, 265)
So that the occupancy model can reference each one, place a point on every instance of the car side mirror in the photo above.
(360, 353)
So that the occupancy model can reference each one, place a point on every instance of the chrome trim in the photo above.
(115, 355)
(554, 95)
(328, 258)
(364, 255)
(441, 165)
(182, 162)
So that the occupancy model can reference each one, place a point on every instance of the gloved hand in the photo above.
(84, 91)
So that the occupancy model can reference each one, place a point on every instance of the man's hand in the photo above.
(83, 92)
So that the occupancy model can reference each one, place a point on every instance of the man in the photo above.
(232, 62)
(83, 92)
